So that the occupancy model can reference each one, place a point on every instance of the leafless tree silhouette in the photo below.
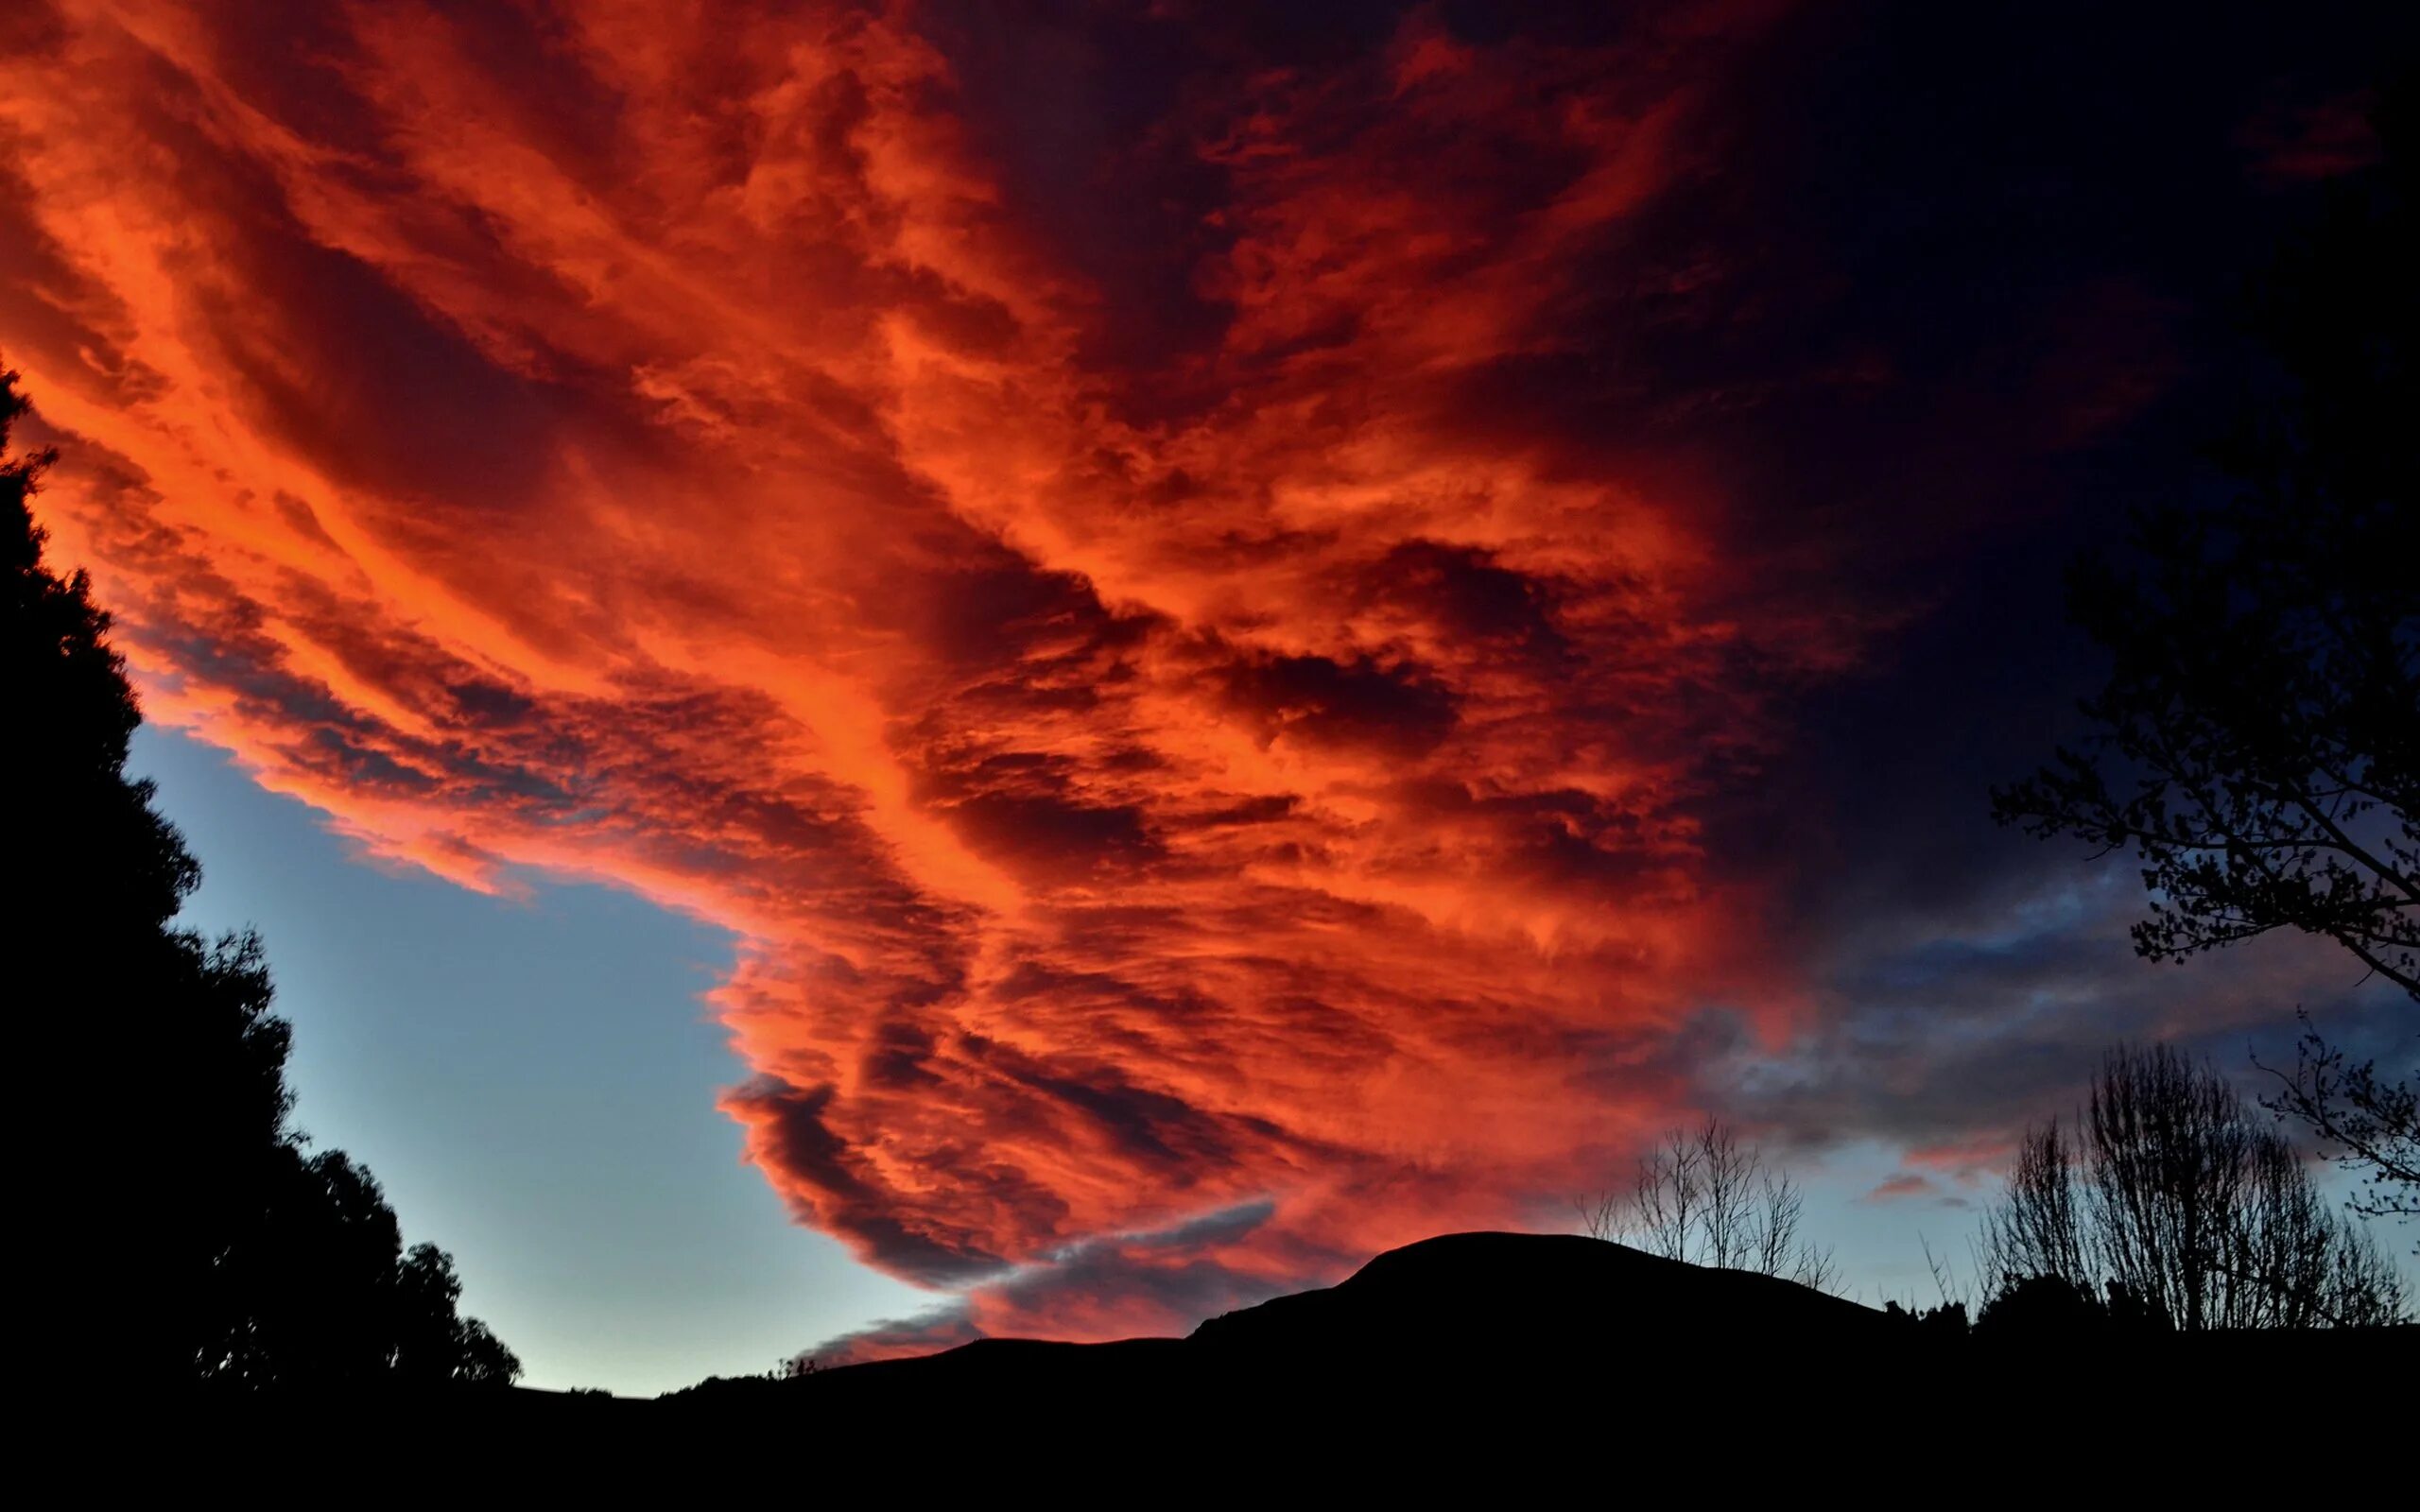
(2037, 1229)
(1703, 1197)
(2171, 1194)
(2372, 1124)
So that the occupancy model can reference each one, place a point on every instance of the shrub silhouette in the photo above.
(1946, 1321)
(2042, 1307)
(192, 1238)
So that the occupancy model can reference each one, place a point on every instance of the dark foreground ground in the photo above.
(1527, 1355)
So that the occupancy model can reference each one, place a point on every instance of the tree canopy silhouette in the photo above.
(2257, 743)
(198, 1239)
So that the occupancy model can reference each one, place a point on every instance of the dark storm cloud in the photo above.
(1951, 1030)
(1396, 708)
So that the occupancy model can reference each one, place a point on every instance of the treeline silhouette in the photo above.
(2168, 1194)
(190, 1235)
(2167, 1204)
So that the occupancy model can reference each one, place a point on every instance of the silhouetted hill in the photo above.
(1512, 1304)
(1482, 1353)
(1520, 1307)
(1491, 1326)
(1497, 1298)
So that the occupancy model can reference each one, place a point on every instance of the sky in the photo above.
(887, 672)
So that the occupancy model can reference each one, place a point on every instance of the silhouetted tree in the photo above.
(191, 1237)
(2175, 1198)
(2257, 745)
(2037, 1231)
(2371, 1122)
(436, 1343)
(1703, 1197)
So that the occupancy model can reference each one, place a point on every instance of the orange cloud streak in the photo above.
(671, 446)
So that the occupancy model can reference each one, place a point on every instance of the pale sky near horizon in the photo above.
(532, 1081)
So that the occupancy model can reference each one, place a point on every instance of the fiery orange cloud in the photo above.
(1207, 784)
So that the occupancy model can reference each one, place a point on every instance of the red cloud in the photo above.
(1265, 780)
(1903, 1184)
(2327, 140)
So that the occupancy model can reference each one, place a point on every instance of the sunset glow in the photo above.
(1203, 621)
